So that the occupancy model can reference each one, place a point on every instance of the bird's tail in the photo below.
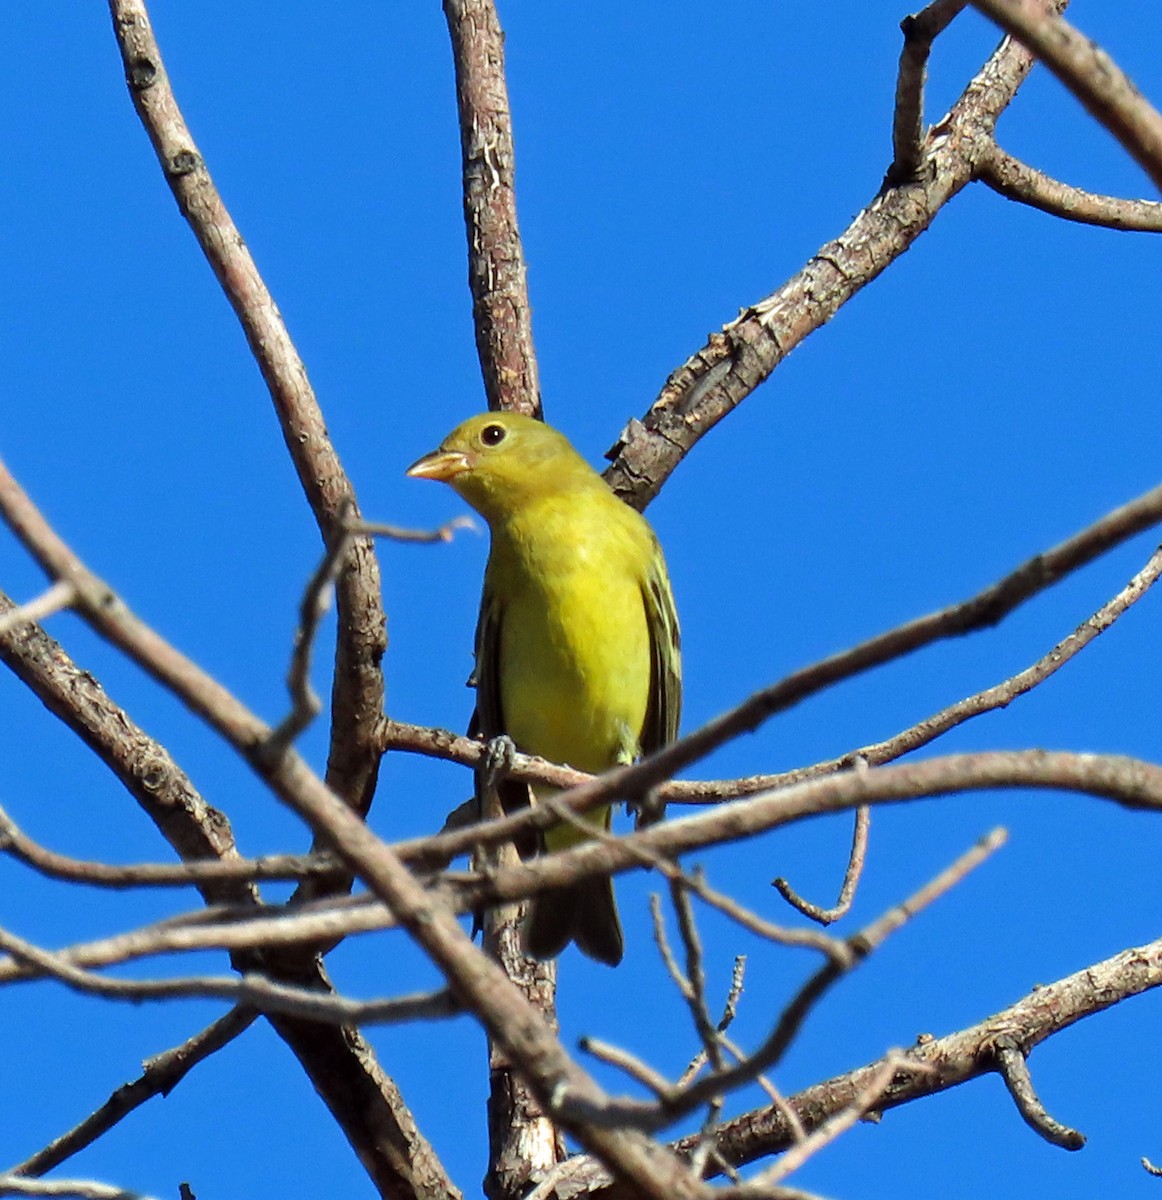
(585, 913)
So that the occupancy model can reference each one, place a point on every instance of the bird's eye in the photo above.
(492, 435)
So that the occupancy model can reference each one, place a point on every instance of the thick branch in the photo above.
(501, 314)
(357, 696)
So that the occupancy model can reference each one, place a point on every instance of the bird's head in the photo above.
(499, 461)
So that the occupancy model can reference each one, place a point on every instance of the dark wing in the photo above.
(488, 719)
(665, 703)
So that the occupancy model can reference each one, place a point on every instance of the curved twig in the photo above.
(851, 877)
(1014, 1070)
(1015, 180)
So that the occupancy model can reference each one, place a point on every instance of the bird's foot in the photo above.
(648, 810)
(499, 755)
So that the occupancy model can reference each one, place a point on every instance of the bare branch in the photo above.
(998, 696)
(851, 876)
(1014, 1070)
(740, 356)
(357, 695)
(895, 1062)
(97, 874)
(920, 30)
(652, 1117)
(956, 1058)
(1132, 783)
(518, 1029)
(694, 991)
(859, 946)
(728, 1014)
(633, 1066)
(305, 702)
(559, 1084)
(340, 1062)
(316, 601)
(501, 313)
(80, 1189)
(56, 597)
(249, 990)
(1018, 181)
(1089, 73)
(422, 537)
(160, 1075)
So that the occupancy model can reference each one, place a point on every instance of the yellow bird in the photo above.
(577, 644)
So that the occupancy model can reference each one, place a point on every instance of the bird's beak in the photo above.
(440, 464)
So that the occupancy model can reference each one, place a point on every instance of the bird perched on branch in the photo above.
(577, 644)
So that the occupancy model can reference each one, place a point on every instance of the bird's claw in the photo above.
(648, 810)
(499, 755)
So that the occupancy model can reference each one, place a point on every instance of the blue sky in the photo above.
(992, 393)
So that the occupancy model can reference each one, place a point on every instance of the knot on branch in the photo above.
(184, 162)
(141, 72)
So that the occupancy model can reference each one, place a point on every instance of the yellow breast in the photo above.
(575, 645)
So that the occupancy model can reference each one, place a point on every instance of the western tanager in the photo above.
(577, 646)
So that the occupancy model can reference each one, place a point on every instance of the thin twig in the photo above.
(860, 946)
(316, 601)
(47, 862)
(724, 1022)
(1018, 181)
(422, 537)
(160, 1075)
(249, 990)
(633, 1066)
(80, 1189)
(920, 30)
(695, 996)
(999, 695)
(895, 1062)
(1014, 1070)
(777, 1099)
(58, 596)
(851, 877)
(650, 1117)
